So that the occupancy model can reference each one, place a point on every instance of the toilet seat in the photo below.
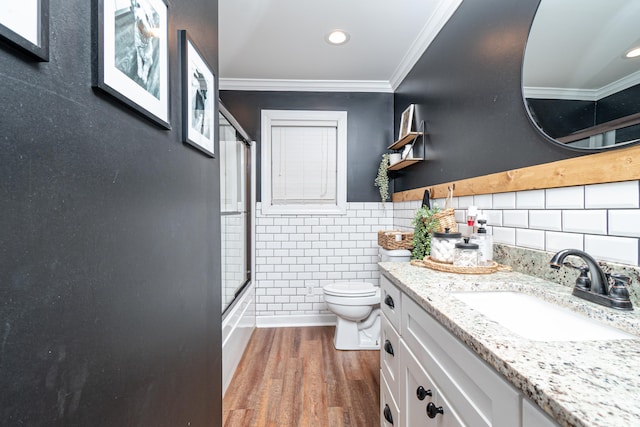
(351, 289)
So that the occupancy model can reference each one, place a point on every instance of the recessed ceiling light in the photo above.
(337, 37)
(633, 53)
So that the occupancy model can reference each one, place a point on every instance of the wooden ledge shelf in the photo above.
(617, 165)
(404, 163)
(404, 140)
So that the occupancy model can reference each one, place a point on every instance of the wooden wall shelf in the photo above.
(608, 166)
(404, 163)
(404, 140)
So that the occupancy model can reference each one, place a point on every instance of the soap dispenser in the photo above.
(485, 243)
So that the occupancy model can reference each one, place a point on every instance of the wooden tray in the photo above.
(427, 262)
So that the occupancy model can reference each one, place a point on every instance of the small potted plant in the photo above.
(424, 223)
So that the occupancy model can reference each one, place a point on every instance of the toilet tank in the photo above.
(394, 255)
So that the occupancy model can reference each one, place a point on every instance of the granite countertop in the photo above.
(578, 383)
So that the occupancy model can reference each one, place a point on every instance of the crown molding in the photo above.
(442, 14)
(305, 85)
(560, 93)
(619, 85)
(583, 94)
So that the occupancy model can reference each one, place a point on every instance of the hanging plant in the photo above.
(424, 223)
(382, 180)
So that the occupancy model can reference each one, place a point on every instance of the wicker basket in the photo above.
(395, 239)
(446, 219)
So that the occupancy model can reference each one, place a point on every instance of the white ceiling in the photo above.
(575, 51)
(280, 44)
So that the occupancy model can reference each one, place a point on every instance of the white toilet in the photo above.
(357, 308)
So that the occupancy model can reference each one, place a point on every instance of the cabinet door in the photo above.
(421, 396)
(480, 396)
(389, 412)
(390, 354)
(390, 302)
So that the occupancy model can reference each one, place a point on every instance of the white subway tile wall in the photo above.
(533, 199)
(565, 198)
(614, 195)
(602, 219)
(296, 255)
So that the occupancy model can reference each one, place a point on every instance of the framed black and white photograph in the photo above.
(25, 25)
(198, 97)
(406, 121)
(133, 63)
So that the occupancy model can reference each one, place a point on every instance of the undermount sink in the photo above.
(538, 320)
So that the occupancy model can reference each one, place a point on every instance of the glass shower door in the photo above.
(235, 211)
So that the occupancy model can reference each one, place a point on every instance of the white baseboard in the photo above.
(299, 320)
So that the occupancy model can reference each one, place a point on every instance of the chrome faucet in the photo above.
(593, 283)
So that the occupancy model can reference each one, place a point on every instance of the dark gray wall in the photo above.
(467, 87)
(369, 129)
(109, 242)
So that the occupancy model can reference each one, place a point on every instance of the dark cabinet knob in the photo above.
(421, 393)
(387, 414)
(388, 347)
(389, 301)
(433, 410)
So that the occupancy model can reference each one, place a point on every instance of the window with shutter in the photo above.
(304, 161)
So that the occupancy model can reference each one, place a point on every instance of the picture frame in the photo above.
(25, 25)
(199, 106)
(406, 121)
(133, 55)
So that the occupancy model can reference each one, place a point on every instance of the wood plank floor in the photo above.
(295, 377)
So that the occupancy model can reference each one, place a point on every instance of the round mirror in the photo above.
(581, 75)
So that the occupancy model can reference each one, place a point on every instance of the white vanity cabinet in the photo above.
(433, 379)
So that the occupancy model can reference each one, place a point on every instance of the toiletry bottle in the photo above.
(485, 243)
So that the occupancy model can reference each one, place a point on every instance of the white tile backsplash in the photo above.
(546, 220)
(530, 238)
(465, 202)
(616, 249)
(565, 198)
(504, 235)
(515, 218)
(612, 195)
(483, 201)
(585, 221)
(556, 241)
(624, 222)
(493, 217)
(504, 200)
(533, 199)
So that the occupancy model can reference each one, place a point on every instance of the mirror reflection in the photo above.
(581, 75)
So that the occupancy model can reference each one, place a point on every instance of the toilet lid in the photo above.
(352, 289)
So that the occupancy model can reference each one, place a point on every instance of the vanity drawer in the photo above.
(390, 354)
(389, 412)
(420, 392)
(390, 301)
(480, 395)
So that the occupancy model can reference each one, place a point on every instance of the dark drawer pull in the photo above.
(433, 410)
(387, 414)
(388, 347)
(421, 393)
(389, 301)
